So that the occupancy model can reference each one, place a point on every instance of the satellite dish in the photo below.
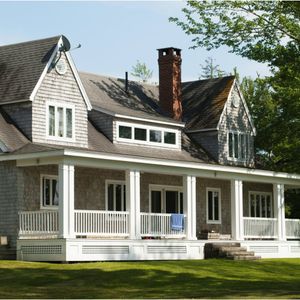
(65, 44)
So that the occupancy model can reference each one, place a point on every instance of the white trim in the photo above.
(194, 168)
(50, 177)
(219, 221)
(78, 80)
(247, 142)
(65, 106)
(38, 84)
(3, 147)
(115, 182)
(163, 189)
(161, 144)
(108, 112)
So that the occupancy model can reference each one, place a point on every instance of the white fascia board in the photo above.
(78, 80)
(108, 112)
(186, 165)
(37, 86)
(225, 105)
(191, 168)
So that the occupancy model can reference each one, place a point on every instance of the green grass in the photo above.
(272, 278)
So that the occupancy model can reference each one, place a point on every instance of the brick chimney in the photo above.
(169, 62)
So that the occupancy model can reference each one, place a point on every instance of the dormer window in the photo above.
(238, 146)
(147, 135)
(60, 121)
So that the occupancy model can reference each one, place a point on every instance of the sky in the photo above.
(115, 34)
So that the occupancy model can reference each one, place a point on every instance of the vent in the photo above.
(264, 249)
(42, 249)
(166, 249)
(96, 249)
(295, 249)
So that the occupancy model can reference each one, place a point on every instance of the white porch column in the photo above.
(237, 220)
(279, 212)
(189, 206)
(66, 201)
(133, 203)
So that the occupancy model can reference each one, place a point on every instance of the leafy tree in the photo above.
(268, 32)
(141, 71)
(210, 69)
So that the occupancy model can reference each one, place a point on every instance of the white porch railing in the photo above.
(260, 227)
(292, 227)
(38, 223)
(158, 225)
(101, 223)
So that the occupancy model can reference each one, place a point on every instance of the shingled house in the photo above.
(100, 168)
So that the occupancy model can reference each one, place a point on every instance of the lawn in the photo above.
(272, 278)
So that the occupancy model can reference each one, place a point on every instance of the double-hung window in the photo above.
(115, 196)
(213, 204)
(60, 121)
(260, 205)
(238, 146)
(49, 191)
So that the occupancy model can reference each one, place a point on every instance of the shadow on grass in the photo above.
(191, 279)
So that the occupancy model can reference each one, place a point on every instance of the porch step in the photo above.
(232, 251)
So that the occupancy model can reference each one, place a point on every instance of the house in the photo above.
(99, 168)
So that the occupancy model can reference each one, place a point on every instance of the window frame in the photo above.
(219, 221)
(115, 182)
(132, 140)
(64, 106)
(163, 189)
(260, 193)
(50, 177)
(247, 151)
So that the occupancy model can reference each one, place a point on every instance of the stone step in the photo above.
(240, 253)
(226, 249)
(218, 245)
(243, 257)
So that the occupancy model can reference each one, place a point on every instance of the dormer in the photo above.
(219, 120)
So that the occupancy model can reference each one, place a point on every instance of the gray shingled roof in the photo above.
(10, 136)
(203, 101)
(108, 93)
(21, 66)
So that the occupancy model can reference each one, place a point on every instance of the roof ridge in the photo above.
(32, 41)
(117, 78)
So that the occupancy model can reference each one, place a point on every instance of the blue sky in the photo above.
(114, 35)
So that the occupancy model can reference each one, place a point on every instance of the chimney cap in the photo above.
(166, 48)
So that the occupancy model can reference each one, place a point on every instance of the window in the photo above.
(142, 134)
(238, 146)
(213, 205)
(260, 205)
(165, 199)
(115, 196)
(60, 121)
(49, 191)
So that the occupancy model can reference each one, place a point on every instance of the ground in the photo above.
(271, 278)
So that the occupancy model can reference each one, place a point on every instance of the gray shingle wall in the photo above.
(62, 89)
(10, 191)
(234, 119)
(102, 122)
(21, 115)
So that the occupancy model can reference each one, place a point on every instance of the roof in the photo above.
(108, 93)
(97, 142)
(10, 136)
(203, 101)
(21, 66)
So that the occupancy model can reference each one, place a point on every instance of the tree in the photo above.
(210, 70)
(141, 71)
(268, 32)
